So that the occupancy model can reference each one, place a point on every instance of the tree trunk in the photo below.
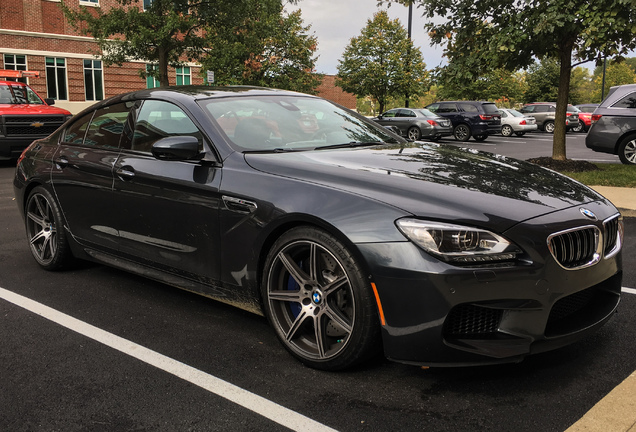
(558, 144)
(163, 68)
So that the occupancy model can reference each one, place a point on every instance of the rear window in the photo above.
(490, 108)
(628, 101)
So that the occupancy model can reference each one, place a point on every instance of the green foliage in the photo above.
(484, 35)
(382, 63)
(543, 81)
(266, 48)
(615, 74)
(502, 86)
(160, 35)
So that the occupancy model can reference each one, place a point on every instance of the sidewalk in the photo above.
(623, 198)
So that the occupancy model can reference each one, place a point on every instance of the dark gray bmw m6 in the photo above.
(346, 237)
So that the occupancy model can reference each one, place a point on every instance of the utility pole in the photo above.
(408, 60)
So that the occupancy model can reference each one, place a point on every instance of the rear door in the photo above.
(169, 209)
(82, 175)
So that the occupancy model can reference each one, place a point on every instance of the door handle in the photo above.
(125, 173)
(62, 161)
(239, 205)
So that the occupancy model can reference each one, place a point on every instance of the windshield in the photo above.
(291, 123)
(18, 94)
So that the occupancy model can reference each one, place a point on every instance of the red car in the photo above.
(24, 115)
(585, 117)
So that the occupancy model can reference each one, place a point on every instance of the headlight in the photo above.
(458, 244)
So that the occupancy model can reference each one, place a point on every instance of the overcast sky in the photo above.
(335, 22)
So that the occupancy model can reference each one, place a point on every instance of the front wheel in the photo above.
(462, 132)
(45, 230)
(579, 127)
(627, 151)
(549, 127)
(506, 130)
(318, 300)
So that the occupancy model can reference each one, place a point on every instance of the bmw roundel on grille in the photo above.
(588, 213)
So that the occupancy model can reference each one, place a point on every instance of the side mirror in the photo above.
(182, 147)
(49, 101)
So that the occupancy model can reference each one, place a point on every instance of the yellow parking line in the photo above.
(616, 412)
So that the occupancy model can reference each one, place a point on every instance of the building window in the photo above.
(151, 82)
(56, 78)
(147, 4)
(183, 76)
(15, 62)
(93, 81)
(89, 2)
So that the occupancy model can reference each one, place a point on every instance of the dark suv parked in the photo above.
(470, 118)
(613, 127)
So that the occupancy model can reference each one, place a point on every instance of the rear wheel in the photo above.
(45, 230)
(579, 128)
(462, 132)
(481, 137)
(414, 133)
(319, 301)
(627, 150)
(506, 130)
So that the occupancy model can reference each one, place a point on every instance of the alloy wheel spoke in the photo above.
(338, 319)
(300, 319)
(335, 285)
(319, 335)
(285, 296)
(294, 270)
(36, 218)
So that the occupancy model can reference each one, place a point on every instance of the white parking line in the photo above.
(244, 398)
(629, 290)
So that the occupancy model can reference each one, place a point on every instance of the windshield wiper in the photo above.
(350, 144)
(277, 150)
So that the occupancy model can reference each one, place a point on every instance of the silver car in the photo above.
(613, 127)
(416, 123)
(512, 121)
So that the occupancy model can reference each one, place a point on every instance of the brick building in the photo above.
(34, 35)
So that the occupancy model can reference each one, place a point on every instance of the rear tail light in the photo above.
(432, 122)
(596, 117)
(486, 117)
(522, 122)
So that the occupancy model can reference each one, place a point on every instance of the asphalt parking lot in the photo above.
(97, 349)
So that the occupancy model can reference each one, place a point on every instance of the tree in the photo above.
(543, 81)
(500, 85)
(266, 48)
(382, 62)
(489, 34)
(165, 34)
(615, 74)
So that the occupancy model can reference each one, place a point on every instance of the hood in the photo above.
(438, 182)
(31, 109)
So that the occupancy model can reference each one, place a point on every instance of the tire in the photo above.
(579, 128)
(45, 230)
(520, 133)
(319, 301)
(462, 132)
(548, 126)
(627, 150)
(506, 130)
(414, 133)
(481, 137)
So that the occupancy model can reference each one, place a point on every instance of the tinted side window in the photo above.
(468, 108)
(447, 108)
(107, 125)
(160, 119)
(541, 108)
(76, 131)
(390, 113)
(628, 101)
(406, 113)
(433, 108)
(490, 108)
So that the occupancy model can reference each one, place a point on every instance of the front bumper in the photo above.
(438, 314)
